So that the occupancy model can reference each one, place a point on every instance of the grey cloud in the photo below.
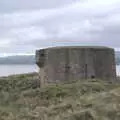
(17, 5)
(84, 23)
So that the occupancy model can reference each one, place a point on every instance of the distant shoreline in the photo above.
(30, 60)
(17, 64)
(13, 69)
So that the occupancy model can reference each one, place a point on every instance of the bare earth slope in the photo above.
(22, 99)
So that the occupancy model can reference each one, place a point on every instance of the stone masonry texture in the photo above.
(64, 64)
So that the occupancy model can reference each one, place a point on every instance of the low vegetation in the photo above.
(21, 98)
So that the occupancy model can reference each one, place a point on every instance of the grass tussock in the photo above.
(21, 98)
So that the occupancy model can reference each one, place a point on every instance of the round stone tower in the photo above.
(64, 64)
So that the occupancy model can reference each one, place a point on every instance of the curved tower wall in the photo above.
(63, 64)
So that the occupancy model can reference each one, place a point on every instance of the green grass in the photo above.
(22, 99)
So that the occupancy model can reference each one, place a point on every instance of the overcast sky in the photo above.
(26, 25)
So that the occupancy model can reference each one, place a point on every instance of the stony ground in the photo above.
(22, 99)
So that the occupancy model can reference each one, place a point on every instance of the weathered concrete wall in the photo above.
(75, 63)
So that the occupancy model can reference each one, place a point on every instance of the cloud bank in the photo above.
(38, 24)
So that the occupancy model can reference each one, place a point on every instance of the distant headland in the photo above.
(30, 59)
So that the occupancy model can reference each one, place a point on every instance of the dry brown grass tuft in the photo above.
(22, 99)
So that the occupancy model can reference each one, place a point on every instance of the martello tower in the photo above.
(59, 64)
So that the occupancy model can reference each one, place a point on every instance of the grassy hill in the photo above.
(22, 99)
